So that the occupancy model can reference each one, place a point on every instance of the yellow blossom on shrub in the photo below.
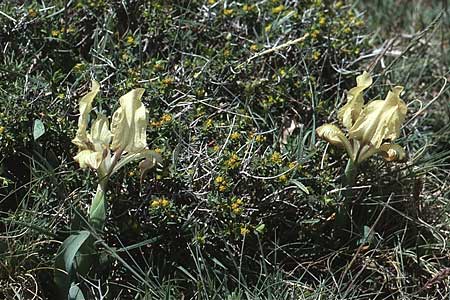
(233, 162)
(315, 34)
(276, 157)
(244, 230)
(254, 48)
(219, 180)
(166, 118)
(283, 178)
(55, 33)
(277, 9)
(235, 136)
(130, 40)
(247, 7)
(32, 12)
(316, 55)
(228, 12)
(322, 21)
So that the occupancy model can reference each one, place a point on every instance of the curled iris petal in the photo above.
(349, 113)
(334, 136)
(392, 152)
(85, 106)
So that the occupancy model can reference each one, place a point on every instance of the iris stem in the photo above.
(97, 212)
(351, 170)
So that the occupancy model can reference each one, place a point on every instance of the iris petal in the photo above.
(85, 105)
(335, 136)
(89, 159)
(129, 123)
(393, 152)
(381, 120)
(349, 113)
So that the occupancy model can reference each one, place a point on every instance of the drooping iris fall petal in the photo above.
(349, 113)
(392, 152)
(89, 159)
(129, 123)
(334, 136)
(381, 120)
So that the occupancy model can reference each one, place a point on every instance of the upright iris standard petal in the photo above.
(85, 108)
(381, 120)
(100, 134)
(335, 136)
(349, 113)
(129, 123)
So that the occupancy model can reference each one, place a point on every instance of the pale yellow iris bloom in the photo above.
(126, 137)
(371, 128)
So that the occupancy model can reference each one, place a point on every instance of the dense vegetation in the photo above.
(248, 202)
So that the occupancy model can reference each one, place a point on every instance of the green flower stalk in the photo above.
(108, 148)
(372, 128)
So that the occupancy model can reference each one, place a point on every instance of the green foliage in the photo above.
(244, 205)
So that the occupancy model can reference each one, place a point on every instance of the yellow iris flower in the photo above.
(371, 128)
(126, 137)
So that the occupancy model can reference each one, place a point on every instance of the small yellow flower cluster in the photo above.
(316, 55)
(210, 2)
(236, 206)
(259, 138)
(78, 67)
(278, 9)
(221, 183)
(315, 34)
(228, 12)
(2, 129)
(292, 165)
(168, 80)
(166, 118)
(55, 33)
(322, 21)
(32, 13)
(283, 178)
(247, 7)
(226, 53)
(159, 203)
(130, 40)
(276, 158)
(233, 162)
(158, 66)
(235, 136)
(244, 230)
(208, 123)
(254, 48)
